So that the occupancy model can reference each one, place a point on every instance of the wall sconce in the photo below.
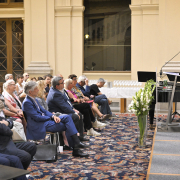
(86, 36)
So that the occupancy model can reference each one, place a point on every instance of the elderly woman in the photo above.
(75, 93)
(13, 100)
(71, 94)
(4, 110)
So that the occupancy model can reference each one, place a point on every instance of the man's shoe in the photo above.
(81, 138)
(92, 132)
(81, 145)
(79, 153)
(67, 148)
(98, 124)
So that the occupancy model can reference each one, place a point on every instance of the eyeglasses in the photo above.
(27, 75)
(74, 79)
(12, 84)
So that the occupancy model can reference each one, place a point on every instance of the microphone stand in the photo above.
(167, 63)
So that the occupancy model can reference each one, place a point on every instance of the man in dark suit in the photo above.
(40, 121)
(24, 151)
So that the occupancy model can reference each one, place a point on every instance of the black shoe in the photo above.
(81, 145)
(83, 138)
(79, 153)
(67, 148)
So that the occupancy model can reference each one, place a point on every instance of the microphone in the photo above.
(167, 63)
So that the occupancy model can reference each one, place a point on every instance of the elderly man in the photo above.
(82, 81)
(40, 121)
(8, 76)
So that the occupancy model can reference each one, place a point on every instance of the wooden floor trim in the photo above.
(166, 174)
(168, 140)
(166, 154)
(149, 167)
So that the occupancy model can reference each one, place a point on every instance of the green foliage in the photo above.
(140, 103)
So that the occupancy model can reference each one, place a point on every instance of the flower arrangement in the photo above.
(140, 103)
(140, 106)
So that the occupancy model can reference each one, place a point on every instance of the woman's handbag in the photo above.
(18, 132)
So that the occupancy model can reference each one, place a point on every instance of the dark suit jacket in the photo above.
(5, 136)
(58, 102)
(35, 119)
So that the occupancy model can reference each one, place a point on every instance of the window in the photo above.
(11, 48)
(107, 35)
(11, 3)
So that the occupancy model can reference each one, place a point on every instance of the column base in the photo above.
(39, 68)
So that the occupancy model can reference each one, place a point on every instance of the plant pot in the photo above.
(142, 130)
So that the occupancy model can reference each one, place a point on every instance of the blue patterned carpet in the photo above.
(114, 155)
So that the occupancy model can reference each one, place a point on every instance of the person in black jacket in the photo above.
(25, 150)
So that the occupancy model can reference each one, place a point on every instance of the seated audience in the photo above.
(58, 101)
(79, 95)
(13, 161)
(19, 85)
(71, 94)
(40, 121)
(24, 150)
(41, 99)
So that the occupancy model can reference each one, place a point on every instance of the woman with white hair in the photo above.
(10, 96)
(10, 87)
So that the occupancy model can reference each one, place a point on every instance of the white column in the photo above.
(77, 40)
(36, 36)
(145, 36)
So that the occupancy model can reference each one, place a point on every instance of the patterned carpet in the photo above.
(114, 155)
